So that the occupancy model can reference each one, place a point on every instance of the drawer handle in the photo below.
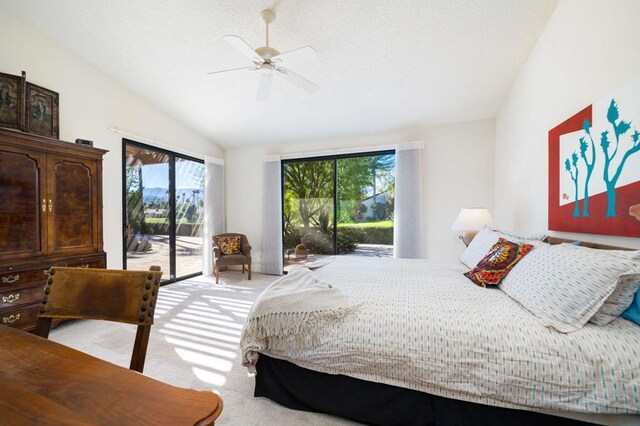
(84, 265)
(10, 279)
(11, 298)
(10, 319)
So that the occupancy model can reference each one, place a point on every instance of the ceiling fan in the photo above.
(268, 61)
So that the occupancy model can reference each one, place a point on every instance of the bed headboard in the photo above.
(555, 240)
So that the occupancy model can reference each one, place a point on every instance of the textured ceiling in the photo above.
(384, 65)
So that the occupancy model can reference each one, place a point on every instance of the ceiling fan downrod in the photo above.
(267, 52)
(268, 17)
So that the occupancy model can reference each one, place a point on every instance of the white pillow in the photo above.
(484, 240)
(622, 297)
(564, 286)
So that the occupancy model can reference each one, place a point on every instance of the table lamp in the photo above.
(470, 221)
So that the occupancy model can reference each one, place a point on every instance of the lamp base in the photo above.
(468, 237)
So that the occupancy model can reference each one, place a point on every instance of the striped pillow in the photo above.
(622, 297)
(564, 285)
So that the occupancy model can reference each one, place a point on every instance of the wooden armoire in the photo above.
(50, 214)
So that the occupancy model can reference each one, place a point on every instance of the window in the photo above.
(338, 205)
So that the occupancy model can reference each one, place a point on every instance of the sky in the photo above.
(189, 175)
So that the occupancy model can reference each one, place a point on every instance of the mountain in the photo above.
(151, 195)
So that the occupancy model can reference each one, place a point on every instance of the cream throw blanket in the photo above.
(292, 312)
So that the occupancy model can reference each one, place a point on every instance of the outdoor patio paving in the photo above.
(188, 255)
(367, 250)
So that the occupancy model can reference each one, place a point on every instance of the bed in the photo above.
(427, 346)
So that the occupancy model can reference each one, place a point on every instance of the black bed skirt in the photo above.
(379, 404)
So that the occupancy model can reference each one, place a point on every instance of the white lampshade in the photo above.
(473, 219)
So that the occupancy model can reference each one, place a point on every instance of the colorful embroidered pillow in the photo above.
(498, 262)
(229, 245)
(486, 238)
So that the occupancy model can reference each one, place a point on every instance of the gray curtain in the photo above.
(214, 220)
(271, 262)
(408, 228)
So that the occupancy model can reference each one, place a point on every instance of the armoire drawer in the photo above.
(21, 316)
(11, 279)
(87, 263)
(21, 296)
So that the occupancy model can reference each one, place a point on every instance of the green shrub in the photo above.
(346, 243)
(318, 242)
(315, 241)
(357, 234)
(292, 238)
(369, 235)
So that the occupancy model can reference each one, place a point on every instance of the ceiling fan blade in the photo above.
(306, 53)
(243, 47)
(235, 70)
(264, 88)
(297, 80)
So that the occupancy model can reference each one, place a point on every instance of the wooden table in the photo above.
(45, 383)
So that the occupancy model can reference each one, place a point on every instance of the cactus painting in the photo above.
(594, 167)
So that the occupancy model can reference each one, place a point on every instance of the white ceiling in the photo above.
(384, 64)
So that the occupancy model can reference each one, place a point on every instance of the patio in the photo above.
(367, 250)
(188, 255)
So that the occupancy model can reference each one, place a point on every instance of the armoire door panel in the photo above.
(50, 214)
(22, 190)
(71, 205)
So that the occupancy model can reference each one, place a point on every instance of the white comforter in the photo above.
(424, 326)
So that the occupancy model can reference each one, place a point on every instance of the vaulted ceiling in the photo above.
(384, 64)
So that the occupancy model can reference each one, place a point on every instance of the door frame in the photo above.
(172, 204)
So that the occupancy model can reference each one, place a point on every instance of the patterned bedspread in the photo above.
(423, 325)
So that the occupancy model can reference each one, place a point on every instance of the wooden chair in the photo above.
(104, 294)
(221, 260)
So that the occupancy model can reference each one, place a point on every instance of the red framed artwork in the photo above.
(594, 167)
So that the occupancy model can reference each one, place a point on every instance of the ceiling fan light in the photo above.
(266, 68)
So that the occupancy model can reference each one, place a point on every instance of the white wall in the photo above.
(589, 48)
(91, 103)
(458, 172)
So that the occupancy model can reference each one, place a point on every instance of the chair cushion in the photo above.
(229, 245)
(233, 259)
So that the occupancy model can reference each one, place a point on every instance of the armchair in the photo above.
(221, 260)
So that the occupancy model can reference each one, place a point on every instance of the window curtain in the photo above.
(272, 253)
(408, 231)
(214, 221)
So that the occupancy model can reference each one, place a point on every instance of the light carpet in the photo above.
(194, 344)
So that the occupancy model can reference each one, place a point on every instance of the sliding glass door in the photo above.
(189, 202)
(308, 209)
(338, 205)
(163, 208)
